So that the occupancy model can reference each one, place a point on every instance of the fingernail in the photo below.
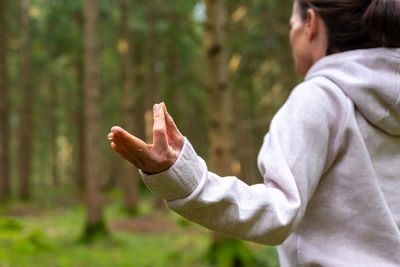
(110, 136)
(157, 108)
(114, 129)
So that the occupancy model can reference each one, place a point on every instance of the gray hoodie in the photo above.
(331, 169)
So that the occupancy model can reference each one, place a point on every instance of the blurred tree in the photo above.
(25, 131)
(53, 124)
(167, 61)
(4, 104)
(151, 94)
(221, 98)
(129, 174)
(79, 115)
(139, 78)
(258, 38)
(95, 225)
(219, 89)
(80, 120)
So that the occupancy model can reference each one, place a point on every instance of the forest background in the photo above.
(72, 69)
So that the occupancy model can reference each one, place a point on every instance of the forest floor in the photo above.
(45, 232)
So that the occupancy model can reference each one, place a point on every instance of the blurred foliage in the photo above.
(230, 252)
(44, 236)
(261, 71)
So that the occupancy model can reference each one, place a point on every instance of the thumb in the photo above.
(174, 135)
(160, 138)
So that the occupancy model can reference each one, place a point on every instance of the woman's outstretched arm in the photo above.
(292, 160)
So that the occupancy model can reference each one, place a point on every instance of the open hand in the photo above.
(150, 158)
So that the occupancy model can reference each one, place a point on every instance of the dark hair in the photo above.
(357, 24)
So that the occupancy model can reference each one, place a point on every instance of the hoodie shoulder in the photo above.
(321, 96)
(370, 78)
(316, 107)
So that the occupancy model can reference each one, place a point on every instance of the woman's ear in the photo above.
(311, 24)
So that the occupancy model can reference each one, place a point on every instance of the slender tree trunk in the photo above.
(80, 118)
(129, 172)
(173, 68)
(219, 89)
(92, 160)
(78, 115)
(4, 105)
(221, 98)
(26, 118)
(151, 93)
(54, 131)
(115, 171)
(139, 79)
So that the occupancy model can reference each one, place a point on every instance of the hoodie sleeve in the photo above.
(292, 159)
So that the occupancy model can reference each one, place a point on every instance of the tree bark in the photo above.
(129, 172)
(151, 93)
(219, 90)
(92, 160)
(139, 78)
(4, 105)
(26, 118)
(221, 98)
(80, 117)
(53, 87)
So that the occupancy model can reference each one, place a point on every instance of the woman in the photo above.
(331, 160)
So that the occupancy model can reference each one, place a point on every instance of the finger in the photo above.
(124, 155)
(135, 155)
(171, 126)
(120, 144)
(127, 139)
(175, 137)
(160, 138)
(167, 125)
(135, 161)
(141, 158)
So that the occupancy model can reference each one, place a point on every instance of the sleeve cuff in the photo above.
(180, 180)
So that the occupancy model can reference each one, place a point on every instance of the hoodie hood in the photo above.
(371, 79)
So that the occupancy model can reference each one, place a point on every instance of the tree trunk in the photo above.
(78, 115)
(26, 118)
(4, 105)
(173, 70)
(221, 98)
(80, 118)
(54, 130)
(151, 93)
(129, 172)
(219, 89)
(139, 79)
(95, 224)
